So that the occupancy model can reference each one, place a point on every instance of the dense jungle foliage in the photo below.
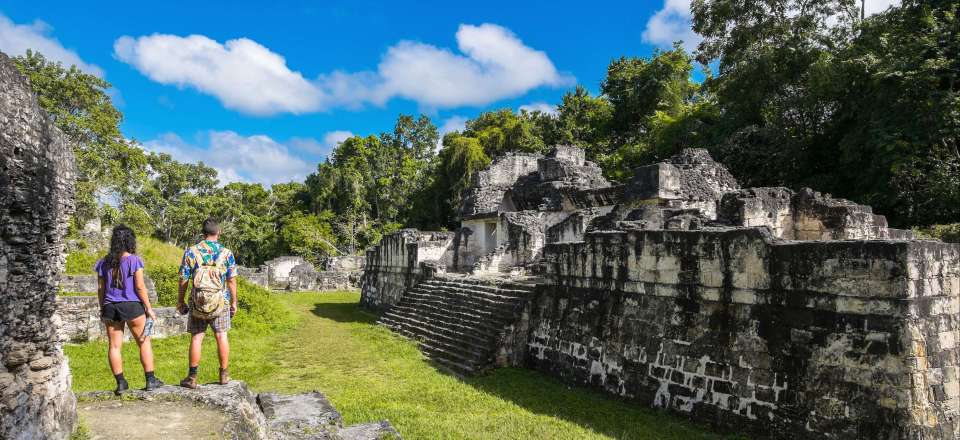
(795, 93)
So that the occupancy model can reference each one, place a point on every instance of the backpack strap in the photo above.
(220, 260)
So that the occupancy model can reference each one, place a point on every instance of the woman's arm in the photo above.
(101, 290)
(141, 289)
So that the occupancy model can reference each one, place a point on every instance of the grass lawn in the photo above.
(370, 374)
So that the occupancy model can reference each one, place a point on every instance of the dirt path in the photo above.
(122, 420)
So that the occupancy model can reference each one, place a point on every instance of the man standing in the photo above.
(211, 269)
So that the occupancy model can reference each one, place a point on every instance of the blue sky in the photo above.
(263, 91)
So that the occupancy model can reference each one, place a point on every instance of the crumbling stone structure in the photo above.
(36, 199)
(295, 274)
(784, 314)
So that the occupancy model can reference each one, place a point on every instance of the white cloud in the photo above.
(237, 158)
(334, 138)
(493, 64)
(15, 39)
(322, 148)
(541, 107)
(242, 74)
(672, 23)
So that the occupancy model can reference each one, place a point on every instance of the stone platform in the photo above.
(777, 313)
(236, 413)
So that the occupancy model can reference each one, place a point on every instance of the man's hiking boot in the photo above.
(121, 387)
(189, 382)
(153, 383)
(224, 376)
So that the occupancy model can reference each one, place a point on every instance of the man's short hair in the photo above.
(210, 227)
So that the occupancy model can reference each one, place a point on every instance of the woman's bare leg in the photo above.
(115, 338)
(146, 349)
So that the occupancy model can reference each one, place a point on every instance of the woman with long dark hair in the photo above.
(124, 301)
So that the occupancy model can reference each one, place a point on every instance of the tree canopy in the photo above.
(793, 93)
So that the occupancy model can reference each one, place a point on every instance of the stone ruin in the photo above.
(780, 313)
(231, 411)
(296, 274)
(77, 318)
(36, 199)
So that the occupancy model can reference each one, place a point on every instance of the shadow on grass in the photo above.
(588, 408)
(547, 396)
(344, 312)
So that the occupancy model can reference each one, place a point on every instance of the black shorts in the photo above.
(122, 311)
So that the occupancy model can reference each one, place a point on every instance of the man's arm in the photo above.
(181, 300)
(232, 285)
(186, 266)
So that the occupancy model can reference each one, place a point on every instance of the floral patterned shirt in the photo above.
(206, 252)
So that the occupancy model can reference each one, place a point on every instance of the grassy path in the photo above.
(371, 374)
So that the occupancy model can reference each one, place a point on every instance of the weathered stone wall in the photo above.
(396, 264)
(344, 263)
(804, 215)
(78, 320)
(88, 284)
(836, 339)
(490, 186)
(36, 198)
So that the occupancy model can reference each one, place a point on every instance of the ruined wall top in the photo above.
(36, 198)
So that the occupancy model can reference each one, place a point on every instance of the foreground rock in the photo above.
(784, 314)
(36, 199)
(240, 413)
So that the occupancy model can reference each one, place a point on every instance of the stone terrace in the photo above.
(785, 314)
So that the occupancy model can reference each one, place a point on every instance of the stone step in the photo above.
(419, 327)
(466, 309)
(483, 320)
(307, 416)
(482, 335)
(508, 290)
(450, 361)
(480, 289)
(452, 353)
(458, 355)
(478, 298)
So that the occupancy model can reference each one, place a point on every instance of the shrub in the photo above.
(949, 233)
(81, 262)
(258, 311)
(166, 279)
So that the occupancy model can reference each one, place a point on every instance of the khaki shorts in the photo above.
(220, 324)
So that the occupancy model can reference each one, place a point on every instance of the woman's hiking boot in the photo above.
(153, 383)
(121, 387)
(224, 376)
(189, 382)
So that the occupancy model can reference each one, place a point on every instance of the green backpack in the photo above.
(207, 301)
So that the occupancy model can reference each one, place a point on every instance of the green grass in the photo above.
(76, 294)
(371, 374)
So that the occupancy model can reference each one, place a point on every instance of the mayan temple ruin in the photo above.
(780, 313)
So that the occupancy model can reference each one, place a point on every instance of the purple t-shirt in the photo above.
(129, 265)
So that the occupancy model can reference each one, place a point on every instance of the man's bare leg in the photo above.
(223, 352)
(196, 344)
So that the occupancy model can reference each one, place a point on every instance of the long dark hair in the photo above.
(122, 240)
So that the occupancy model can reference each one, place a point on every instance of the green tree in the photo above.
(309, 235)
(79, 105)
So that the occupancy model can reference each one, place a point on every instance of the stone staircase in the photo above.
(460, 323)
